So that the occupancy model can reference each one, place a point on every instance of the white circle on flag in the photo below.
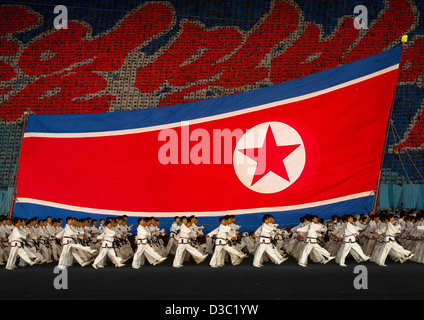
(252, 169)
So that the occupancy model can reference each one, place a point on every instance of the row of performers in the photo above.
(363, 237)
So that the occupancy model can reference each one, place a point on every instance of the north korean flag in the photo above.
(311, 145)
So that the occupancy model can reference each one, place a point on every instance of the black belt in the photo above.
(350, 241)
(316, 239)
(72, 239)
(189, 241)
(221, 244)
(112, 242)
(270, 241)
(389, 240)
(16, 244)
(265, 237)
(142, 240)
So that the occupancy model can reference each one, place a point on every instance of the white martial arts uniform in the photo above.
(55, 251)
(369, 245)
(184, 245)
(210, 241)
(350, 244)
(313, 231)
(265, 246)
(123, 248)
(107, 249)
(172, 244)
(45, 247)
(16, 239)
(69, 236)
(4, 248)
(221, 246)
(144, 247)
(390, 245)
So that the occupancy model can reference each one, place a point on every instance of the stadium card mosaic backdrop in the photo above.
(127, 55)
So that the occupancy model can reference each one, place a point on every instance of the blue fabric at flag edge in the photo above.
(250, 222)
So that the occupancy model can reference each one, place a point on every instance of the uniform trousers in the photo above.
(315, 248)
(179, 254)
(171, 246)
(393, 248)
(15, 252)
(108, 250)
(217, 259)
(66, 252)
(144, 249)
(269, 249)
(347, 247)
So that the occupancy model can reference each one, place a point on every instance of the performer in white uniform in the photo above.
(184, 244)
(143, 246)
(265, 243)
(221, 245)
(68, 236)
(349, 242)
(16, 239)
(172, 244)
(390, 245)
(108, 238)
(313, 230)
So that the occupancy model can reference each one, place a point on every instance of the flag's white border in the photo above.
(210, 118)
(198, 213)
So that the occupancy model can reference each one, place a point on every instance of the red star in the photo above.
(269, 157)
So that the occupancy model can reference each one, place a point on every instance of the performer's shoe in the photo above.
(343, 265)
(95, 266)
(281, 261)
(328, 260)
(203, 258)
(159, 261)
(302, 264)
(85, 263)
(409, 256)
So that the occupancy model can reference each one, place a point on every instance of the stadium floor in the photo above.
(287, 281)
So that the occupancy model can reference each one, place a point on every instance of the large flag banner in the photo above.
(311, 145)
